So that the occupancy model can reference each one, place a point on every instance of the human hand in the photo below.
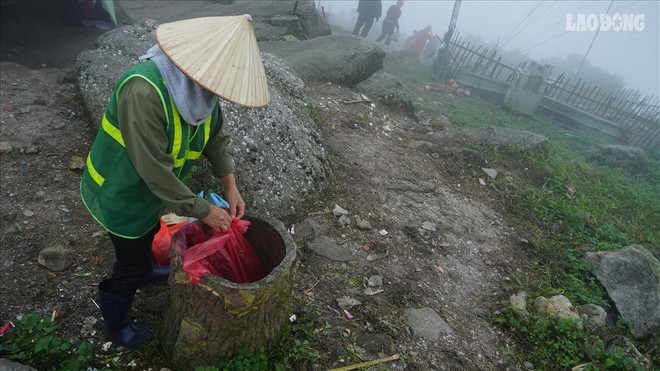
(236, 203)
(218, 219)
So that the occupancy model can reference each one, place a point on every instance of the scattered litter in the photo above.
(28, 213)
(439, 269)
(348, 314)
(64, 209)
(383, 232)
(366, 247)
(6, 327)
(106, 346)
(95, 303)
(293, 318)
(25, 163)
(98, 234)
(482, 182)
(367, 363)
(54, 315)
(292, 230)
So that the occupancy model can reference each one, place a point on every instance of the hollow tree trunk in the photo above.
(209, 321)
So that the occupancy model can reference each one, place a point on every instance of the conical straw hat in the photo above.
(220, 54)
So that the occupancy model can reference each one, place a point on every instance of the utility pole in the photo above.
(441, 61)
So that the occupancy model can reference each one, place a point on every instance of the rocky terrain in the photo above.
(407, 249)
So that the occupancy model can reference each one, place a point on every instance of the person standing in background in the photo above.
(390, 22)
(368, 10)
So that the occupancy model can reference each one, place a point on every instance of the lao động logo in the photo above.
(618, 22)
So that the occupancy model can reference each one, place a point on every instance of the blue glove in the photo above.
(216, 199)
(219, 201)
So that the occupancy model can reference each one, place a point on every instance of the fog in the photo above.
(541, 29)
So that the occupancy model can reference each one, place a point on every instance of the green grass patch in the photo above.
(36, 342)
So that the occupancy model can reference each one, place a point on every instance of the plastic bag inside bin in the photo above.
(226, 254)
(160, 247)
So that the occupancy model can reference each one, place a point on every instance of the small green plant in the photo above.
(36, 342)
(553, 343)
(245, 360)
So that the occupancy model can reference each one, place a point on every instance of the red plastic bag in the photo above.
(160, 247)
(226, 254)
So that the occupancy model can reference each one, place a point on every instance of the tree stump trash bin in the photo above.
(211, 320)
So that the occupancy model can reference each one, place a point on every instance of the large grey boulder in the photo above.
(389, 90)
(272, 19)
(342, 59)
(631, 277)
(633, 160)
(278, 152)
(496, 137)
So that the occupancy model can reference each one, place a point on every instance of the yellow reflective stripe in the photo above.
(207, 129)
(112, 131)
(162, 99)
(176, 145)
(93, 173)
(193, 155)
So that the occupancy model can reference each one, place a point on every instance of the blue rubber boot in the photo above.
(117, 325)
(156, 273)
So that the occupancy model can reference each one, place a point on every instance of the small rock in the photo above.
(344, 221)
(518, 303)
(28, 213)
(347, 303)
(5, 147)
(528, 365)
(429, 226)
(366, 247)
(362, 224)
(339, 211)
(557, 306)
(89, 327)
(571, 192)
(76, 163)
(31, 150)
(482, 181)
(375, 281)
(57, 258)
(491, 172)
(24, 110)
(594, 315)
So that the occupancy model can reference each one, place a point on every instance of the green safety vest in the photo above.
(111, 189)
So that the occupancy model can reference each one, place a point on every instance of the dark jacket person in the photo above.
(390, 22)
(368, 10)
